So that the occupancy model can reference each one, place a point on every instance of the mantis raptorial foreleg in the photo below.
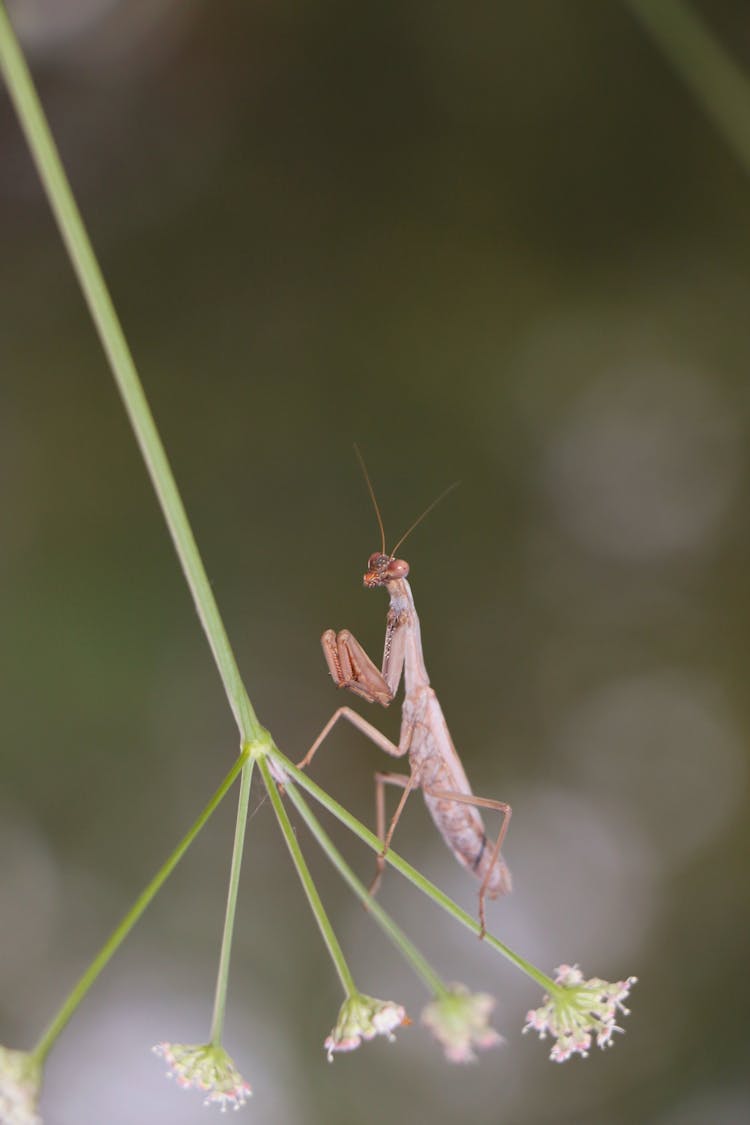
(352, 668)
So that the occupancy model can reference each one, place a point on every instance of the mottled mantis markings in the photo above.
(435, 766)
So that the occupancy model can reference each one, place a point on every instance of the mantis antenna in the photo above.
(426, 512)
(375, 505)
(371, 490)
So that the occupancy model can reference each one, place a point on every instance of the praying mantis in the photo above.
(435, 766)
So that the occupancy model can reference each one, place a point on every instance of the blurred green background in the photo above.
(491, 243)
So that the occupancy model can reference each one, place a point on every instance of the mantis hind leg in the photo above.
(408, 784)
(495, 859)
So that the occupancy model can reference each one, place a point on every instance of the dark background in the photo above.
(491, 243)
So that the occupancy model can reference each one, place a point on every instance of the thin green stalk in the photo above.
(325, 927)
(70, 223)
(418, 962)
(718, 83)
(74, 998)
(409, 872)
(222, 979)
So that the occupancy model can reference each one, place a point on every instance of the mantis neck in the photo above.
(402, 605)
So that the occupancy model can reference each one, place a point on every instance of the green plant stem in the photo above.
(720, 86)
(410, 872)
(222, 978)
(74, 998)
(419, 963)
(70, 223)
(324, 925)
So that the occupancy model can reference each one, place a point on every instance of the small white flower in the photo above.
(459, 1019)
(20, 1081)
(579, 1011)
(206, 1068)
(363, 1017)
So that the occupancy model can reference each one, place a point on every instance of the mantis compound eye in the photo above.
(397, 568)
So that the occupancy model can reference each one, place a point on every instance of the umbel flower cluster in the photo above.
(575, 1014)
(361, 1018)
(579, 1012)
(459, 1020)
(208, 1069)
(20, 1079)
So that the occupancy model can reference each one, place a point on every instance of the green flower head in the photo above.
(459, 1019)
(208, 1069)
(20, 1081)
(579, 1011)
(363, 1017)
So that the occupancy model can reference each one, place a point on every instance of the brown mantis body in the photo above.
(435, 767)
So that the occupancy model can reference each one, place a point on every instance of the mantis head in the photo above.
(382, 569)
